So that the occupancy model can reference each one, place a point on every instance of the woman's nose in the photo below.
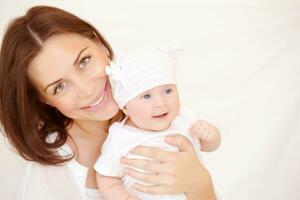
(84, 88)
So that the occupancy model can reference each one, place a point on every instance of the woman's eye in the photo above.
(167, 91)
(84, 61)
(59, 88)
(146, 96)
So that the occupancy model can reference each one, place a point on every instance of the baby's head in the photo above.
(144, 86)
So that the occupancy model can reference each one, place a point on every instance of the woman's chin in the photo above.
(112, 111)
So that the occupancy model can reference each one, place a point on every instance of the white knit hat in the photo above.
(133, 73)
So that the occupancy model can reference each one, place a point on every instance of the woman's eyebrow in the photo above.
(52, 84)
(78, 56)
(76, 60)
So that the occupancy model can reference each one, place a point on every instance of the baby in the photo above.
(144, 87)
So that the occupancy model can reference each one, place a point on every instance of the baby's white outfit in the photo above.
(123, 138)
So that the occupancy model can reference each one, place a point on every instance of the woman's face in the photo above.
(69, 74)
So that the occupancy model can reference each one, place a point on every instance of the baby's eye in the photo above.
(168, 91)
(84, 61)
(146, 96)
(59, 88)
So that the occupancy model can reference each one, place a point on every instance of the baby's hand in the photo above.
(203, 130)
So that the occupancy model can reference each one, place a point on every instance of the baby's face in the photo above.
(154, 109)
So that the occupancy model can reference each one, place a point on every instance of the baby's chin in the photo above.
(161, 127)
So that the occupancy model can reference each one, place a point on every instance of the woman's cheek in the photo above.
(98, 71)
(65, 105)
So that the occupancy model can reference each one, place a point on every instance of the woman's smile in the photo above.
(100, 100)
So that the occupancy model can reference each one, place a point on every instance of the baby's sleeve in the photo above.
(108, 164)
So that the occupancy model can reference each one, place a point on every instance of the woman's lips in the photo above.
(98, 101)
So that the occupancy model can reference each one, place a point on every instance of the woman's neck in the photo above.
(86, 141)
(87, 128)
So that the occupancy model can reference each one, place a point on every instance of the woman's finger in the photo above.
(180, 141)
(148, 165)
(149, 177)
(154, 189)
(154, 153)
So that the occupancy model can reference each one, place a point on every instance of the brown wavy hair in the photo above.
(26, 120)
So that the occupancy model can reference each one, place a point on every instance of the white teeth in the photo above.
(97, 101)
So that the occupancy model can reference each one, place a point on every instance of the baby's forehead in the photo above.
(159, 88)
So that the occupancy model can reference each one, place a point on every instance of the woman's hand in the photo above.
(171, 172)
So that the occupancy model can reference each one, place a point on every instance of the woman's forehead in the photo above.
(57, 55)
(67, 43)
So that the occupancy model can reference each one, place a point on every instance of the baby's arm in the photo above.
(208, 134)
(108, 168)
(112, 188)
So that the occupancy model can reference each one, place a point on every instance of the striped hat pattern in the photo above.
(133, 73)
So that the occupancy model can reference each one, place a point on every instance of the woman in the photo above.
(56, 106)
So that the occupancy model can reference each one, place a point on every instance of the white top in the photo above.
(29, 180)
(123, 138)
(80, 173)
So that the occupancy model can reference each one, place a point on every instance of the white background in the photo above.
(240, 70)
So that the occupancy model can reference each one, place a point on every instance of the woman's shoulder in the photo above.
(24, 178)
